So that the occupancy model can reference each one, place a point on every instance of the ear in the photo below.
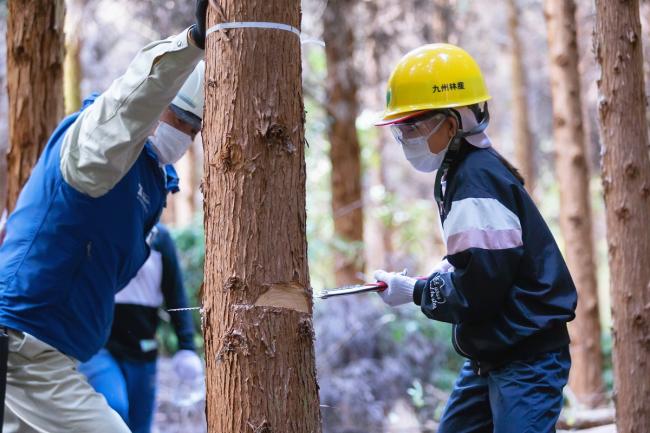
(453, 126)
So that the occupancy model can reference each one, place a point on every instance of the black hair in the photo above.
(511, 168)
(467, 148)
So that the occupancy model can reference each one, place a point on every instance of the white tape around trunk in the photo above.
(253, 25)
(263, 25)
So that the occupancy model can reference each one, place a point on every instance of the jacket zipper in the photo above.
(456, 343)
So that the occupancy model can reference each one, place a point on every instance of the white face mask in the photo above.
(416, 148)
(169, 143)
(421, 158)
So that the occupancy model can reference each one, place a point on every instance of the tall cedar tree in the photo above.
(35, 54)
(342, 109)
(257, 301)
(522, 137)
(626, 186)
(572, 170)
(379, 244)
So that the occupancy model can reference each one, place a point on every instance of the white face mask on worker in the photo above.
(421, 158)
(169, 143)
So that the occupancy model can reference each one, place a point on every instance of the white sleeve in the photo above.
(107, 138)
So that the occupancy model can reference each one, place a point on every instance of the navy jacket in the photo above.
(510, 294)
(158, 282)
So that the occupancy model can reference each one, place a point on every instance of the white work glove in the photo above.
(399, 290)
(442, 267)
(187, 365)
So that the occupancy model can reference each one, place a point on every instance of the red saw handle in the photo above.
(380, 285)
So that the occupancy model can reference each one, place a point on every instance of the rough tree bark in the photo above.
(572, 171)
(257, 301)
(35, 53)
(626, 185)
(342, 110)
(524, 153)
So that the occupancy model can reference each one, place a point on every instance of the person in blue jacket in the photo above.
(503, 284)
(124, 371)
(78, 232)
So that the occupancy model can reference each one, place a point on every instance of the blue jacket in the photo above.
(67, 254)
(510, 294)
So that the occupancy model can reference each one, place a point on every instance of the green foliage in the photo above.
(608, 368)
(417, 394)
(190, 245)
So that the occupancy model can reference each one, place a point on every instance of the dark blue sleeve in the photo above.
(484, 244)
(173, 290)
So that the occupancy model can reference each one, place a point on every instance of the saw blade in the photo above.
(352, 290)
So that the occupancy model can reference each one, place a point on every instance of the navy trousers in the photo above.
(522, 397)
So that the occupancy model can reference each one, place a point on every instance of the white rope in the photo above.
(184, 309)
(253, 25)
(264, 25)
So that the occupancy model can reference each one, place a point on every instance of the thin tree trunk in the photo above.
(184, 199)
(72, 72)
(626, 186)
(575, 210)
(342, 109)
(379, 236)
(35, 52)
(168, 216)
(524, 153)
(257, 301)
(3, 113)
(72, 76)
(645, 28)
(443, 21)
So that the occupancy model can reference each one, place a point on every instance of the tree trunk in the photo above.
(575, 210)
(257, 301)
(626, 186)
(523, 143)
(380, 227)
(645, 28)
(443, 21)
(72, 72)
(184, 207)
(342, 109)
(3, 114)
(35, 52)
(72, 76)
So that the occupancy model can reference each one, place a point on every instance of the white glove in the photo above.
(187, 365)
(442, 267)
(399, 290)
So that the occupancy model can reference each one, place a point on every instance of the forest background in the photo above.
(388, 370)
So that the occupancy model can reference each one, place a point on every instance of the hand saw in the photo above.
(352, 290)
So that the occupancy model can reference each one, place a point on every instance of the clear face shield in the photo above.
(419, 130)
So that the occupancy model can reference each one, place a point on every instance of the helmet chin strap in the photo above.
(483, 118)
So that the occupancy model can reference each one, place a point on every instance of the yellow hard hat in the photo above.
(432, 77)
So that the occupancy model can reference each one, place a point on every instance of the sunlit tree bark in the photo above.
(572, 171)
(626, 185)
(35, 53)
(523, 142)
(257, 301)
(342, 109)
